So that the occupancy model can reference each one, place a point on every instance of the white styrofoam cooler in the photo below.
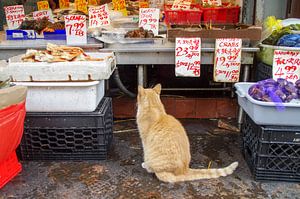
(21, 71)
(266, 113)
(63, 96)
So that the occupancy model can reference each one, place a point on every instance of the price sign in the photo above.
(99, 16)
(64, 4)
(120, 5)
(76, 29)
(149, 19)
(43, 5)
(143, 4)
(93, 2)
(38, 15)
(286, 64)
(14, 16)
(188, 57)
(227, 61)
(181, 5)
(81, 5)
(212, 2)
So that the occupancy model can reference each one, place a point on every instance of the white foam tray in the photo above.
(266, 113)
(62, 71)
(63, 96)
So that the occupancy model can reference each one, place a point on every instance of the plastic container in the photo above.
(221, 14)
(265, 113)
(63, 96)
(266, 52)
(9, 168)
(263, 71)
(68, 136)
(272, 152)
(182, 17)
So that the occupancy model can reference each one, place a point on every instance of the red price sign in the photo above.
(212, 2)
(286, 64)
(76, 29)
(149, 19)
(99, 16)
(227, 60)
(14, 16)
(64, 4)
(38, 15)
(188, 57)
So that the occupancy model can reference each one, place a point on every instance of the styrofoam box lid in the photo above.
(57, 84)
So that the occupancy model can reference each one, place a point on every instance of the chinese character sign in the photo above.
(212, 2)
(120, 5)
(38, 15)
(149, 19)
(99, 16)
(64, 4)
(286, 64)
(76, 29)
(14, 16)
(188, 57)
(43, 5)
(227, 61)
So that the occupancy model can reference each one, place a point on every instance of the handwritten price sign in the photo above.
(81, 5)
(286, 64)
(99, 16)
(38, 15)
(120, 5)
(43, 5)
(14, 16)
(149, 19)
(212, 2)
(227, 60)
(76, 29)
(64, 4)
(188, 57)
(181, 5)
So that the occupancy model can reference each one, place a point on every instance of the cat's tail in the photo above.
(197, 174)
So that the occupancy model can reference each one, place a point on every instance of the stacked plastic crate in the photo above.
(270, 137)
(68, 116)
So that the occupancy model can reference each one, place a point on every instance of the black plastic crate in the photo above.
(68, 135)
(272, 152)
(263, 71)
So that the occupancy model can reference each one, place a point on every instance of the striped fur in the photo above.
(165, 143)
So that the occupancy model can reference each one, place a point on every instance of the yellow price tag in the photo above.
(43, 5)
(81, 5)
(93, 2)
(120, 5)
(64, 4)
(143, 4)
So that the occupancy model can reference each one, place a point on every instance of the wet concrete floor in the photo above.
(122, 177)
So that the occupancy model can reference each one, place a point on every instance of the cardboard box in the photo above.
(227, 31)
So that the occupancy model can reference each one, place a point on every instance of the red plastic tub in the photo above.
(11, 130)
(221, 14)
(182, 17)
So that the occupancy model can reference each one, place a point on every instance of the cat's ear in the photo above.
(157, 88)
(141, 90)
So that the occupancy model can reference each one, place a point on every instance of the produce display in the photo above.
(139, 33)
(270, 90)
(56, 53)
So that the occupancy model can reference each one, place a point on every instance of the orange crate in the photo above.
(9, 168)
(192, 16)
(221, 14)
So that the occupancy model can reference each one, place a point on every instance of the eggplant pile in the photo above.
(270, 90)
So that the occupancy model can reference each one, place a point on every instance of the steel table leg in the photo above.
(142, 75)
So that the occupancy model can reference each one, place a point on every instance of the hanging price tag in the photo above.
(38, 15)
(81, 5)
(286, 64)
(64, 4)
(120, 5)
(76, 29)
(43, 5)
(212, 2)
(182, 5)
(188, 57)
(149, 19)
(99, 16)
(227, 60)
(93, 2)
(14, 16)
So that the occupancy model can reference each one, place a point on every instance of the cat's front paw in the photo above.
(144, 166)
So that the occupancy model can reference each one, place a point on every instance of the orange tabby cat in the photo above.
(165, 143)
